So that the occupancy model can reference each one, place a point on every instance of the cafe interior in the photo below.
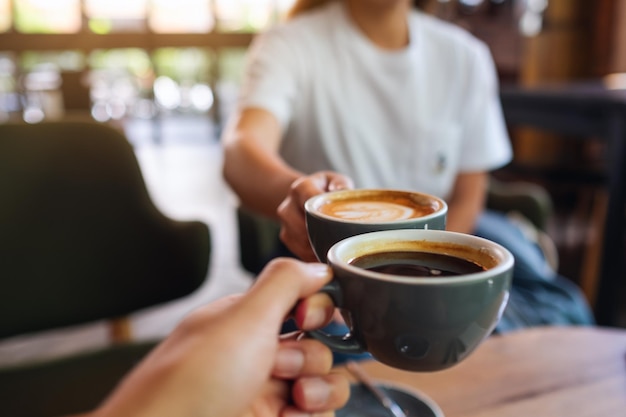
(113, 110)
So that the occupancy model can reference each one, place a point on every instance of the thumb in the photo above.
(280, 286)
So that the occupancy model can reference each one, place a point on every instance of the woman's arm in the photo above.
(252, 166)
(467, 201)
(265, 183)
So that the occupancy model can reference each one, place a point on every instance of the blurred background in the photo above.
(168, 72)
(140, 58)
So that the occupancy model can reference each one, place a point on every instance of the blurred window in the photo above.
(244, 15)
(46, 16)
(106, 16)
(123, 82)
(5, 15)
(160, 16)
(181, 16)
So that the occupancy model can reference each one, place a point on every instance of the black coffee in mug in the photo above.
(416, 264)
(415, 323)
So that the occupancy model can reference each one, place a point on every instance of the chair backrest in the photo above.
(80, 238)
(258, 239)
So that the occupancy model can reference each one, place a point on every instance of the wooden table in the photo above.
(586, 110)
(540, 372)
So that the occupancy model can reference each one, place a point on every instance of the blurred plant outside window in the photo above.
(249, 15)
(46, 16)
(63, 60)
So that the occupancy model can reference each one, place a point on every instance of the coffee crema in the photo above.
(417, 264)
(375, 209)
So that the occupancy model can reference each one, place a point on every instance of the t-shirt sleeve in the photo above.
(486, 143)
(270, 76)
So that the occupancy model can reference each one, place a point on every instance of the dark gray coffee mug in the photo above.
(325, 230)
(417, 323)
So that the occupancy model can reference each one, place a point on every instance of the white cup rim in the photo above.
(311, 208)
(336, 255)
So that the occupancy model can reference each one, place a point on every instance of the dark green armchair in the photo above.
(81, 241)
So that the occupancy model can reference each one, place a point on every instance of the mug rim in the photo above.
(310, 209)
(506, 263)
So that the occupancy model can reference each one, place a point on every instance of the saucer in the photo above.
(363, 403)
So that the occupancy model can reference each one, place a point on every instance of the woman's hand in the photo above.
(291, 211)
(226, 359)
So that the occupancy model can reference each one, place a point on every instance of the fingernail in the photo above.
(314, 317)
(289, 362)
(317, 269)
(316, 391)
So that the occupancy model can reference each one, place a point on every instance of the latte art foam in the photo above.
(369, 211)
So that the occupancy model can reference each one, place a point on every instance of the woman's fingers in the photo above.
(293, 231)
(293, 238)
(338, 182)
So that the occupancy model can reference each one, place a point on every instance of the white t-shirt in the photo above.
(407, 119)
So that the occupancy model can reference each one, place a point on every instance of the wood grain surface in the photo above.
(547, 371)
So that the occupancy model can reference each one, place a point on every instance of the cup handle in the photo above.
(345, 343)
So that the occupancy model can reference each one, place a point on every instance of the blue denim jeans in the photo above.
(539, 295)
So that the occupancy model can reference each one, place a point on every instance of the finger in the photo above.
(291, 211)
(338, 182)
(293, 231)
(332, 181)
(306, 357)
(321, 394)
(306, 187)
(293, 225)
(298, 244)
(279, 287)
(314, 312)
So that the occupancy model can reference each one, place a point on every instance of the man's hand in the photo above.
(227, 359)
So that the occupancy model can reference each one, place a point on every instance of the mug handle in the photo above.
(339, 343)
